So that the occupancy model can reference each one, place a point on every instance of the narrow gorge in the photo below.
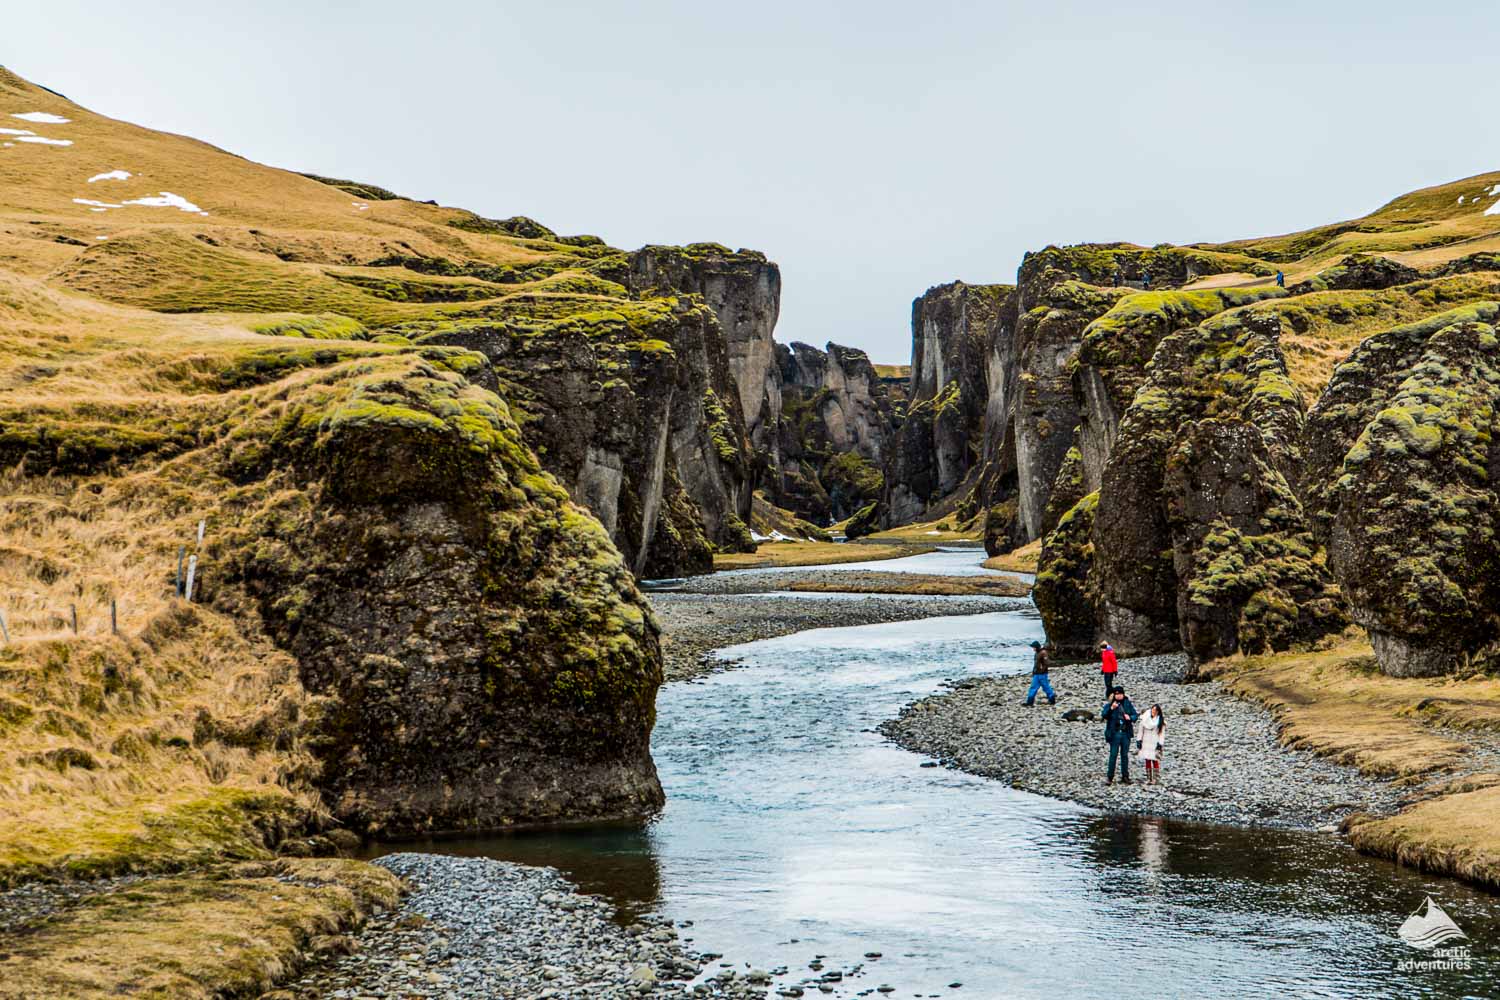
(339, 524)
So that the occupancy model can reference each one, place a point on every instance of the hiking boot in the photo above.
(1026, 704)
(1052, 701)
(1124, 781)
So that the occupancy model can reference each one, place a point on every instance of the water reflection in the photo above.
(616, 862)
(792, 830)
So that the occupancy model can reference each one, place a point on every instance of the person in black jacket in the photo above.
(1119, 727)
(1039, 661)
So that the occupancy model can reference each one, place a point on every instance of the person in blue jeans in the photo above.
(1039, 676)
(1119, 728)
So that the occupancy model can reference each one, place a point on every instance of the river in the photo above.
(792, 830)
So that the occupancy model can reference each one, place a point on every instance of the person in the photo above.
(1039, 679)
(1153, 738)
(1108, 667)
(1119, 719)
(1280, 279)
(1146, 280)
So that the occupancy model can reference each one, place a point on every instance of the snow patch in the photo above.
(113, 175)
(44, 140)
(16, 131)
(359, 205)
(1494, 190)
(101, 204)
(1493, 209)
(774, 536)
(167, 200)
(101, 237)
(1460, 199)
(42, 117)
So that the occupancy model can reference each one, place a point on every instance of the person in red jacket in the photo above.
(1108, 667)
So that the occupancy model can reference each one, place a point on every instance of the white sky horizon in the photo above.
(872, 150)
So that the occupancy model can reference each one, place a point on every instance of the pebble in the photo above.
(495, 930)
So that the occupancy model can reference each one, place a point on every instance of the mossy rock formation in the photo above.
(1413, 510)
(443, 597)
(1200, 469)
(1063, 591)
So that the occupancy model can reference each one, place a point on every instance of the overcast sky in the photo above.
(873, 149)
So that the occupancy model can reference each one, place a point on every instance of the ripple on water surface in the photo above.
(788, 818)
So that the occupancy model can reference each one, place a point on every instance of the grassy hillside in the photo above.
(188, 337)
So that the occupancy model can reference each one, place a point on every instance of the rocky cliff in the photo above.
(954, 329)
(633, 407)
(744, 291)
(837, 420)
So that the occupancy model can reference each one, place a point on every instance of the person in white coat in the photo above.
(1153, 738)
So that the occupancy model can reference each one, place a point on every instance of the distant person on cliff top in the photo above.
(1039, 679)
(1146, 279)
(1153, 738)
(1108, 667)
(1119, 721)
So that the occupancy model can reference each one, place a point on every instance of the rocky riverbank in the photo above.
(476, 928)
(856, 581)
(694, 625)
(1222, 762)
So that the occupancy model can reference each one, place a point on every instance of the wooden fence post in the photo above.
(73, 613)
(4, 629)
(114, 618)
(192, 570)
(181, 554)
(200, 534)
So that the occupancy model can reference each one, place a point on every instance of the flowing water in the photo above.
(792, 830)
(941, 562)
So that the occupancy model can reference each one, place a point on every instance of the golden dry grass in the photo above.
(920, 584)
(1455, 834)
(1335, 703)
(812, 554)
(937, 532)
(225, 932)
(100, 764)
(1021, 560)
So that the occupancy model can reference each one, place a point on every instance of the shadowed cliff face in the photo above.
(744, 291)
(837, 420)
(637, 413)
(938, 444)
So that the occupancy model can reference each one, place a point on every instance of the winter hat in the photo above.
(1035, 644)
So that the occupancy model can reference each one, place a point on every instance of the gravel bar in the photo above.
(694, 625)
(852, 581)
(473, 928)
(1221, 764)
